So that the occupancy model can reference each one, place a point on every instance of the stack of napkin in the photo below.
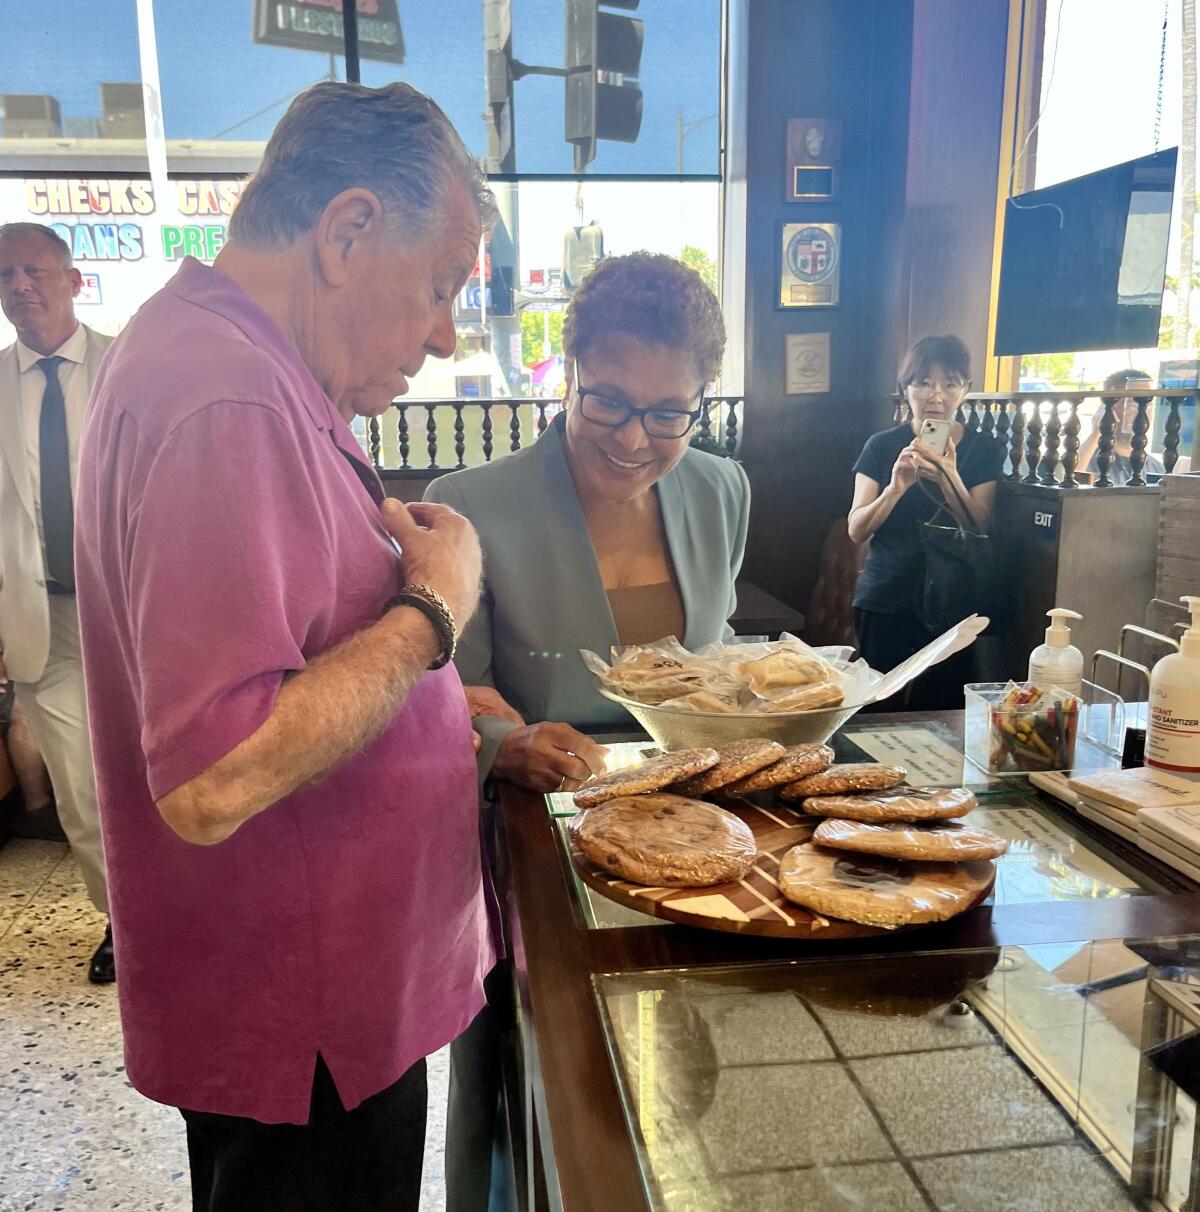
(1157, 811)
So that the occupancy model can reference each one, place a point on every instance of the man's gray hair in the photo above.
(394, 141)
(61, 248)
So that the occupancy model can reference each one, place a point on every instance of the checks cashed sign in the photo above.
(126, 242)
(317, 25)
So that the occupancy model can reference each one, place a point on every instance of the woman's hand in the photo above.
(933, 466)
(548, 757)
(904, 470)
(486, 700)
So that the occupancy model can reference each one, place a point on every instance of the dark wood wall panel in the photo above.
(954, 133)
(846, 59)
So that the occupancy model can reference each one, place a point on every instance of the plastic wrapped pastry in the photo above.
(665, 841)
(784, 670)
(779, 676)
(709, 699)
(653, 775)
(904, 804)
(804, 698)
(923, 842)
(844, 777)
(795, 763)
(739, 760)
(879, 891)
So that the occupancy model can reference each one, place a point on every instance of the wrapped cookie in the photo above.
(739, 760)
(916, 841)
(665, 841)
(903, 804)
(879, 891)
(846, 776)
(795, 762)
(652, 775)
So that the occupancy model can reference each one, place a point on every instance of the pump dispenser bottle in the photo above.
(1058, 662)
(1173, 738)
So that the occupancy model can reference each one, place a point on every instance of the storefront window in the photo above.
(1088, 124)
(70, 77)
(227, 75)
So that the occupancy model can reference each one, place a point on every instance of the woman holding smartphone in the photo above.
(900, 479)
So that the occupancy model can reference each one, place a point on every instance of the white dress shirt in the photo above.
(73, 378)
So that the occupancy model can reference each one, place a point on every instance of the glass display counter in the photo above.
(1013, 1057)
(1040, 1078)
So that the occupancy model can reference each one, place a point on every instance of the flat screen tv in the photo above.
(1083, 261)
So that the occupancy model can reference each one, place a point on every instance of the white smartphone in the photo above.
(935, 435)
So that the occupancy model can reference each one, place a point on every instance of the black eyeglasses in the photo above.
(612, 414)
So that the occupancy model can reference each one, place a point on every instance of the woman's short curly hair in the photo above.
(653, 297)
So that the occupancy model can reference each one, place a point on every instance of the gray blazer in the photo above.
(543, 599)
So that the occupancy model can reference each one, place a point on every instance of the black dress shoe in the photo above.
(103, 968)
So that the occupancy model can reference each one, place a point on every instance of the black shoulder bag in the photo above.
(961, 576)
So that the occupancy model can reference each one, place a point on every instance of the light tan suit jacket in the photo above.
(24, 608)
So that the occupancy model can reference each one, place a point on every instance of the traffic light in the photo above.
(603, 50)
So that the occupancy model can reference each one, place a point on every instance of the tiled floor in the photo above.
(73, 1133)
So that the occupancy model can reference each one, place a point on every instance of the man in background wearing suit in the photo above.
(45, 380)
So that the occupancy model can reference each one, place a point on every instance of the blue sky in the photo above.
(213, 76)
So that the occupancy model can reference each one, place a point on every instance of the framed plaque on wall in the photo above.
(813, 159)
(810, 264)
(806, 363)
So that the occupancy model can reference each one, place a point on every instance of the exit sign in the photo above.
(1045, 523)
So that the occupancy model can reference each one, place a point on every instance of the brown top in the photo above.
(645, 613)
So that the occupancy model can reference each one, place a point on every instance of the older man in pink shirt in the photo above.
(284, 758)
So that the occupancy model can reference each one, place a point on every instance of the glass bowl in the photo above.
(679, 728)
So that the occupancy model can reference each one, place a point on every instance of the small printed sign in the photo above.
(1045, 523)
(90, 292)
(807, 369)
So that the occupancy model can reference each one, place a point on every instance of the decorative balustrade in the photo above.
(474, 428)
(1041, 432)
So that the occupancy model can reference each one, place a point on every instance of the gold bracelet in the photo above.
(436, 609)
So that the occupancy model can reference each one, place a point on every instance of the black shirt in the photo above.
(895, 567)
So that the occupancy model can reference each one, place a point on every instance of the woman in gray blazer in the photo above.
(609, 529)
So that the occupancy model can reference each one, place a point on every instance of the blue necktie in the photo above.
(58, 521)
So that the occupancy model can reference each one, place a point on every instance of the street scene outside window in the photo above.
(1086, 125)
(222, 88)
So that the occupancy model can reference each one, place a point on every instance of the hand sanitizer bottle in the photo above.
(1058, 662)
(1173, 738)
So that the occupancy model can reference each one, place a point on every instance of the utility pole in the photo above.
(502, 158)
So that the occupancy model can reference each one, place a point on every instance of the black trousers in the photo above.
(478, 1176)
(368, 1159)
(885, 640)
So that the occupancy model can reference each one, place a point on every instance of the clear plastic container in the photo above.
(1089, 741)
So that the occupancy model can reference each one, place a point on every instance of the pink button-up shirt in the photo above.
(223, 539)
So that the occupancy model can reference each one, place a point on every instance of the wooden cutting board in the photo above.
(753, 905)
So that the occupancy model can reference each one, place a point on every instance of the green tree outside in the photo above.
(702, 263)
(533, 329)
(1055, 368)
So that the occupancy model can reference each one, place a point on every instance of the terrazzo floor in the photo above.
(73, 1133)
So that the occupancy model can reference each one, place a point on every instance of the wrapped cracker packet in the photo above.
(745, 676)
